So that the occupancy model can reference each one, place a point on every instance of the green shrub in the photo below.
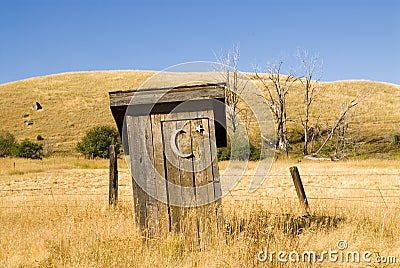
(39, 138)
(242, 151)
(255, 153)
(28, 149)
(396, 139)
(224, 153)
(97, 141)
(7, 141)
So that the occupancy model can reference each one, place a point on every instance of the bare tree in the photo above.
(311, 67)
(340, 126)
(276, 87)
(228, 65)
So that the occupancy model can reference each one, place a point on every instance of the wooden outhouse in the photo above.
(170, 136)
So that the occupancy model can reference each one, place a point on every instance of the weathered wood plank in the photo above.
(166, 95)
(204, 173)
(148, 172)
(200, 146)
(113, 180)
(187, 176)
(143, 175)
(186, 164)
(135, 141)
(214, 159)
(172, 175)
(161, 185)
(215, 208)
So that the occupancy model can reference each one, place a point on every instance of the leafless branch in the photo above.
(342, 119)
(276, 86)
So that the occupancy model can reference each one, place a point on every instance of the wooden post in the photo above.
(113, 185)
(299, 187)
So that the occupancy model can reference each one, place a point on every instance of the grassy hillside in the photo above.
(74, 102)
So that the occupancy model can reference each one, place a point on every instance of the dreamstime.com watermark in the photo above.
(340, 254)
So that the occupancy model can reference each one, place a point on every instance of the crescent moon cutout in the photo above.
(174, 144)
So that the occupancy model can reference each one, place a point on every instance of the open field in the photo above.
(54, 213)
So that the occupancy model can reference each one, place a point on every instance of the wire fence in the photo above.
(370, 197)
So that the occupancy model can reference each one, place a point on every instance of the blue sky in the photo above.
(356, 39)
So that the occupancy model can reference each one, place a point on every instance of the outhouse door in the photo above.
(188, 154)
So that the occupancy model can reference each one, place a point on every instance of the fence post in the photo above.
(299, 187)
(113, 185)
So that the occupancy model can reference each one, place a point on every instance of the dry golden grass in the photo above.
(75, 102)
(54, 212)
(64, 219)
